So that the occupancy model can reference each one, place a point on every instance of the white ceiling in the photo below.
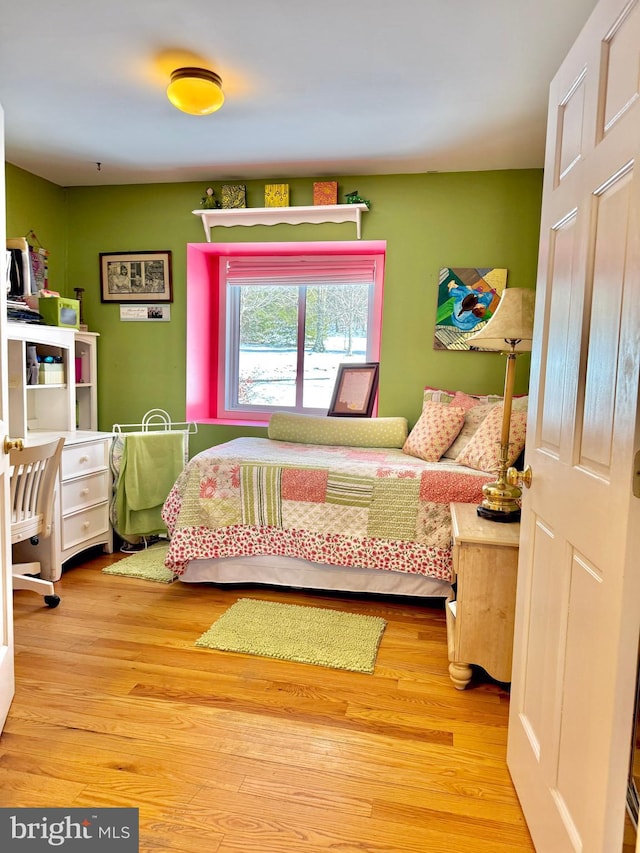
(313, 87)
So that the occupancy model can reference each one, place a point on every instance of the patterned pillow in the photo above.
(458, 398)
(350, 432)
(437, 395)
(483, 449)
(473, 417)
(436, 428)
(469, 401)
(476, 407)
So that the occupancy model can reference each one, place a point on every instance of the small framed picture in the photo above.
(136, 277)
(355, 390)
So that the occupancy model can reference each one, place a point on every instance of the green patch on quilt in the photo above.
(190, 514)
(260, 491)
(394, 509)
(222, 512)
(349, 490)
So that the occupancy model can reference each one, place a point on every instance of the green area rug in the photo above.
(303, 634)
(147, 565)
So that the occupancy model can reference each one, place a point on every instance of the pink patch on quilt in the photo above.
(304, 484)
(208, 487)
(372, 454)
(447, 486)
(394, 472)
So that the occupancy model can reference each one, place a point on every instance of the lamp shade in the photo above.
(197, 91)
(511, 325)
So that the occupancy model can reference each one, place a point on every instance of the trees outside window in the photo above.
(287, 341)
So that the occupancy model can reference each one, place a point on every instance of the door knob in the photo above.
(13, 444)
(520, 478)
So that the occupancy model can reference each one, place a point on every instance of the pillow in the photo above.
(436, 428)
(476, 407)
(350, 432)
(483, 449)
(437, 395)
(458, 398)
(476, 415)
(473, 417)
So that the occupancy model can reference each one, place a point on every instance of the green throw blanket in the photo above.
(151, 463)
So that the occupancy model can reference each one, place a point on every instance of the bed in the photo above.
(324, 505)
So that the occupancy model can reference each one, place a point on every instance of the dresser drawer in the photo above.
(79, 459)
(84, 525)
(86, 491)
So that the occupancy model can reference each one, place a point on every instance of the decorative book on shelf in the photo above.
(325, 192)
(276, 195)
(233, 195)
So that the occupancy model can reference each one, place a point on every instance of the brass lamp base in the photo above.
(501, 501)
(498, 514)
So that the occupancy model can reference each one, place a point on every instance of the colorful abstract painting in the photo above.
(467, 299)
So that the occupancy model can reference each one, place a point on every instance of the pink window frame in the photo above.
(205, 300)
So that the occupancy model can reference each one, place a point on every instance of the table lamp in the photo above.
(509, 330)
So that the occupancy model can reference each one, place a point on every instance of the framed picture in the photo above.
(136, 277)
(355, 390)
(467, 299)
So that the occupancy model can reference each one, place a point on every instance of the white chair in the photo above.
(34, 470)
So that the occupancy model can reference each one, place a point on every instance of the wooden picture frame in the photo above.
(136, 277)
(355, 390)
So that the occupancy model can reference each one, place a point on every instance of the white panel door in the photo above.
(6, 595)
(578, 600)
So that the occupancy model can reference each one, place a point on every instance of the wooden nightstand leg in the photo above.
(460, 673)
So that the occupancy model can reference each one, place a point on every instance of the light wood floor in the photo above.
(230, 753)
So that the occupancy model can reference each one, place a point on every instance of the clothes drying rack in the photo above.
(156, 421)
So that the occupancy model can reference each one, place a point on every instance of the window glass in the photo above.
(267, 353)
(285, 342)
(337, 319)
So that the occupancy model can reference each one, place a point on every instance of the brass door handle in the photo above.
(12, 444)
(520, 478)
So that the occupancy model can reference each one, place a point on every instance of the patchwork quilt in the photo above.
(373, 508)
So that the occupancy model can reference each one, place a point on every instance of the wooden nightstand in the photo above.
(480, 617)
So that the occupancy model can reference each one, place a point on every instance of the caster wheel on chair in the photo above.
(52, 600)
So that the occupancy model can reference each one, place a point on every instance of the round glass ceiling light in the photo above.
(196, 91)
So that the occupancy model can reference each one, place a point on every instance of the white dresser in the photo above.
(39, 413)
(82, 501)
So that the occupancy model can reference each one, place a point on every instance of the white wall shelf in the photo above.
(282, 215)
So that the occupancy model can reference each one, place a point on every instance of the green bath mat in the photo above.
(146, 565)
(303, 634)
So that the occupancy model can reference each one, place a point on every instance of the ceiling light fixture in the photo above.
(196, 91)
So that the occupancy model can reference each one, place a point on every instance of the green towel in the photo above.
(150, 465)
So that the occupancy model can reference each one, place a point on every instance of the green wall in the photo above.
(429, 221)
(40, 206)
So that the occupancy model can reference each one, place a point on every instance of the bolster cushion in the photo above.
(352, 432)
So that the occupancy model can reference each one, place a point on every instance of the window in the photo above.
(283, 317)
